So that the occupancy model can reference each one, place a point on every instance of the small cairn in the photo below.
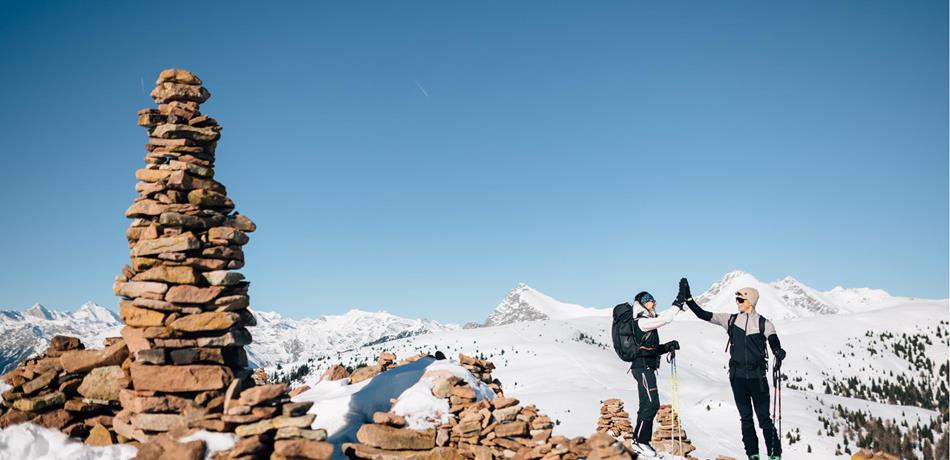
(69, 388)
(867, 454)
(483, 430)
(614, 420)
(669, 436)
(481, 369)
(385, 362)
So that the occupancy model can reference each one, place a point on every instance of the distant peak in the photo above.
(38, 311)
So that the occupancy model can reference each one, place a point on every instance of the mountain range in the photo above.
(287, 341)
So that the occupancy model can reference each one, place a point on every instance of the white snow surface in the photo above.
(29, 441)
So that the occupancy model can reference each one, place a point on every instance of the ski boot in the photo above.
(644, 450)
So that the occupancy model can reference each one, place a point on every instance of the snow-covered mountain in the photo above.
(277, 340)
(285, 341)
(783, 299)
(28, 332)
(524, 303)
(789, 298)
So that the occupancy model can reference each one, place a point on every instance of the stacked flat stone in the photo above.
(184, 308)
(479, 429)
(669, 435)
(69, 388)
(614, 420)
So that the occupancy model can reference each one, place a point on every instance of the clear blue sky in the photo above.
(423, 158)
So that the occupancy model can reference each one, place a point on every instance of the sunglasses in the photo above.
(740, 300)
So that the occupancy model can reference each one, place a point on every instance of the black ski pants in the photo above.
(649, 403)
(754, 394)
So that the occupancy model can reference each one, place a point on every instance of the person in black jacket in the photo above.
(748, 363)
(647, 360)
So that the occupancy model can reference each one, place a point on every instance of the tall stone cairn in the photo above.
(184, 306)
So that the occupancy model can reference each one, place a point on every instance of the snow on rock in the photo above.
(342, 408)
(214, 442)
(29, 441)
(424, 410)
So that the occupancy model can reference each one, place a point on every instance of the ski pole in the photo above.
(674, 403)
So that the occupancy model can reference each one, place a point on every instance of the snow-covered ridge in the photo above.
(279, 340)
(789, 298)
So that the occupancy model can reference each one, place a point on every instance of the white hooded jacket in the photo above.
(649, 322)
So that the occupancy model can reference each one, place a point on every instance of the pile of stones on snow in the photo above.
(614, 420)
(669, 435)
(69, 388)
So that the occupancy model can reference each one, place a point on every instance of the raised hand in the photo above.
(684, 290)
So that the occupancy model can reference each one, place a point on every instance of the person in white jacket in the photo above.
(644, 365)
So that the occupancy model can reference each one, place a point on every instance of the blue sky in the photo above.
(424, 157)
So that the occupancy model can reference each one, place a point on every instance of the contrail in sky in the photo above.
(422, 89)
(142, 80)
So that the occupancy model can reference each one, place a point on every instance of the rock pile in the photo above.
(867, 454)
(614, 420)
(479, 429)
(481, 369)
(184, 308)
(385, 362)
(69, 388)
(669, 436)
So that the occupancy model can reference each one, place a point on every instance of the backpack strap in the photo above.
(732, 322)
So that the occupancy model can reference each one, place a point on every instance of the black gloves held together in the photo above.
(684, 290)
(670, 346)
(678, 303)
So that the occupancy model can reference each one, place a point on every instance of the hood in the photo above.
(636, 310)
(640, 310)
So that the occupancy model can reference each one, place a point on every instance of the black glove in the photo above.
(779, 357)
(670, 346)
(679, 303)
(779, 354)
(684, 290)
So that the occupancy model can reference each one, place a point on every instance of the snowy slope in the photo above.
(567, 368)
(526, 304)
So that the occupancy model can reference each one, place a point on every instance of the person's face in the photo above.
(743, 304)
(651, 305)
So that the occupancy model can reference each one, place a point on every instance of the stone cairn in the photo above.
(481, 430)
(180, 365)
(669, 435)
(184, 306)
(614, 420)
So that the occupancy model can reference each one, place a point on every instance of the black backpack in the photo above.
(624, 338)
